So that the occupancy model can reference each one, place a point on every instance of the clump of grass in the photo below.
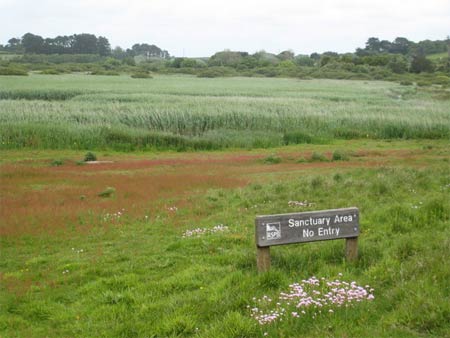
(318, 157)
(316, 182)
(108, 192)
(424, 83)
(339, 155)
(406, 83)
(272, 159)
(90, 156)
(296, 137)
(56, 163)
(337, 177)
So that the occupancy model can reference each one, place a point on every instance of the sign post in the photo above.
(311, 226)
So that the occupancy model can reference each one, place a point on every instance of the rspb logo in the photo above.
(273, 231)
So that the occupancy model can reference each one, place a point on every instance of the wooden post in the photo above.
(351, 249)
(263, 258)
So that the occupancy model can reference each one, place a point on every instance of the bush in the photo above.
(13, 71)
(90, 157)
(141, 75)
(406, 83)
(272, 159)
(339, 156)
(424, 83)
(51, 71)
(318, 157)
(104, 72)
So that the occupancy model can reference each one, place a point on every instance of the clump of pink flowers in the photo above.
(312, 297)
(204, 231)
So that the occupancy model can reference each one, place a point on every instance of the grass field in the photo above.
(182, 112)
(74, 263)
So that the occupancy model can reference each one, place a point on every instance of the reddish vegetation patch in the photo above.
(50, 199)
(36, 199)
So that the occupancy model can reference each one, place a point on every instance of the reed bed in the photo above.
(181, 112)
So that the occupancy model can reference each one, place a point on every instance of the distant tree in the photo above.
(111, 63)
(119, 53)
(362, 52)
(385, 46)
(327, 57)
(398, 64)
(266, 59)
(286, 55)
(103, 46)
(14, 45)
(176, 63)
(315, 56)
(373, 45)
(347, 58)
(305, 61)
(226, 58)
(84, 44)
(401, 46)
(32, 43)
(448, 46)
(188, 63)
(148, 51)
(421, 64)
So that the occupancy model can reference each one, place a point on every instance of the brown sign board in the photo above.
(306, 227)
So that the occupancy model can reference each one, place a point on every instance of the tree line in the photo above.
(78, 44)
(378, 59)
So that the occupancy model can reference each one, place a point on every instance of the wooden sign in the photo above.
(306, 227)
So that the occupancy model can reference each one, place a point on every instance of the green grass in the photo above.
(184, 112)
(142, 279)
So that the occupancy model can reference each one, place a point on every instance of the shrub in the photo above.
(104, 72)
(339, 156)
(50, 71)
(406, 83)
(13, 71)
(272, 159)
(90, 156)
(141, 75)
(423, 83)
(318, 157)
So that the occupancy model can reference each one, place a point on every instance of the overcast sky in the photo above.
(202, 27)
